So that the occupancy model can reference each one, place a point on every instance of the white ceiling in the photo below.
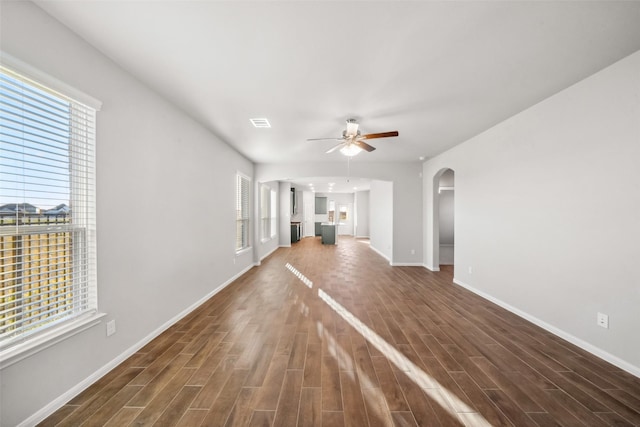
(437, 72)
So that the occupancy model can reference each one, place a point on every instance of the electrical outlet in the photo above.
(603, 320)
(111, 327)
(470, 270)
(413, 251)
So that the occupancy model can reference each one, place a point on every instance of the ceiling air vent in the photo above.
(260, 123)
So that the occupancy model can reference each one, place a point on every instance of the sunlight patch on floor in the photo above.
(439, 394)
(304, 279)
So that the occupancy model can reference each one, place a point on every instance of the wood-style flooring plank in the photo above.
(262, 418)
(331, 389)
(192, 417)
(159, 403)
(211, 389)
(123, 417)
(267, 396)
(58, 416)
(355, 414)
(310, 413)
(117, 402)
(226, 399)
(159, 382)
(389, 385)
(332, 419)
(289, 402)
(243, 409)
(89, 408)
(178, 406)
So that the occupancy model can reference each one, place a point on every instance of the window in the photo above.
(47, 213)
(267, 212)
(343, 213)
(273, 213)
(242, 212)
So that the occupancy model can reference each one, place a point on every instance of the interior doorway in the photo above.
(444, 204)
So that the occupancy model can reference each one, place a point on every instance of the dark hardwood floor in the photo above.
(334, 336)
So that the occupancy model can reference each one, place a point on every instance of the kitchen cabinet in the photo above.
(321, 205)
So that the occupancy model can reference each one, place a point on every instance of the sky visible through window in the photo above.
(35, 131)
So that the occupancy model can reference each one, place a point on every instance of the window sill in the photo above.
(35, 344)
(243, 251)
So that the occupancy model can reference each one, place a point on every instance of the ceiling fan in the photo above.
(352, 142)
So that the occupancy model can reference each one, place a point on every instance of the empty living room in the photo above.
(319, 213)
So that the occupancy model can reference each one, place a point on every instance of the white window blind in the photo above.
(242, 212)
(47, 209)
(267, 212)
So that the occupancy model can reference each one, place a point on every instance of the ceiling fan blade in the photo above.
(324, 139)
(379, 135)
(364, 145)
(331, 150)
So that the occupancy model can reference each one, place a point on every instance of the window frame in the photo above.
(243, 213)
(268, 213)
(16, 348)
(274, 213)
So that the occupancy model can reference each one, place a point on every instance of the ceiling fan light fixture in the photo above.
(350, 150)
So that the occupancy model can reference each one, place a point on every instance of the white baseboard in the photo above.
(406, 264)
(267, 254)
(61, 400)
(380, 253)
(596, 351)
(362, 237)
(431, 268)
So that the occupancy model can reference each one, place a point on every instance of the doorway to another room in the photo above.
(446, 220)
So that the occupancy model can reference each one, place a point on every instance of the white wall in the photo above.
(165, 208)
(547, 207)
(381, 216)
(406, 203)
(362, 213)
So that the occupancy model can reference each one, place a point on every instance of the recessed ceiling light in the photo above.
(421, 158)
(332, 183)
(260, 123)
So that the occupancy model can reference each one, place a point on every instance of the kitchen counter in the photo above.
(329, 233)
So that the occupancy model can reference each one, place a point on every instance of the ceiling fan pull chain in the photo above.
(348, 168)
